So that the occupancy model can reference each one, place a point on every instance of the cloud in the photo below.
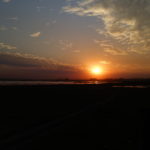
(54, 22)
(18, 65)
(126, 21)
(39, 8)
(20, 60)
(76, 51)
(3, 28)
(6, 46)
(108, 47)
(65, 44)
(115, 51)
(14, 18)
(6, 1)
(35, 35)
(104, 62)
(14, 28)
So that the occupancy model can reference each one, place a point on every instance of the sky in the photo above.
(57, 39)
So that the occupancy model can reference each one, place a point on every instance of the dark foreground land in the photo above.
(73, 117)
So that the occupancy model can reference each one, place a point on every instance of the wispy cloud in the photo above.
(14, 28)
(35, 35)
(6, 1)
(65, 44)
(39, 8)
(104, 62)
(110, 48)
(7, 46)
(29, 66)
(54, 22)
(3, 28)
(76, 51)
(116, 51)
(125, 21)
(14, 18)
(24, 60)
(50, 23)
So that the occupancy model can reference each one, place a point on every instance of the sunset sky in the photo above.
(51, 39)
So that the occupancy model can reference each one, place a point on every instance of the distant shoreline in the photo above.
(140, 83)
(92, 79)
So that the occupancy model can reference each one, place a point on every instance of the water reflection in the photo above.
(130, 86)
(115, 84)
(11, 83)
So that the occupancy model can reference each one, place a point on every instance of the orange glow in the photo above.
(96, 70)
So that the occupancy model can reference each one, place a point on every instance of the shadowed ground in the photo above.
(74, 116)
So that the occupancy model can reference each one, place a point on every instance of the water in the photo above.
(11, 83)
(131, 86)
(115, 84)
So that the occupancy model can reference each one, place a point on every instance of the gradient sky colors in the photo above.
(44, 39)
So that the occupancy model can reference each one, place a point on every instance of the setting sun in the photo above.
(96, 70)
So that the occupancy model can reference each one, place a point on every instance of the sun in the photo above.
(96, 70)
